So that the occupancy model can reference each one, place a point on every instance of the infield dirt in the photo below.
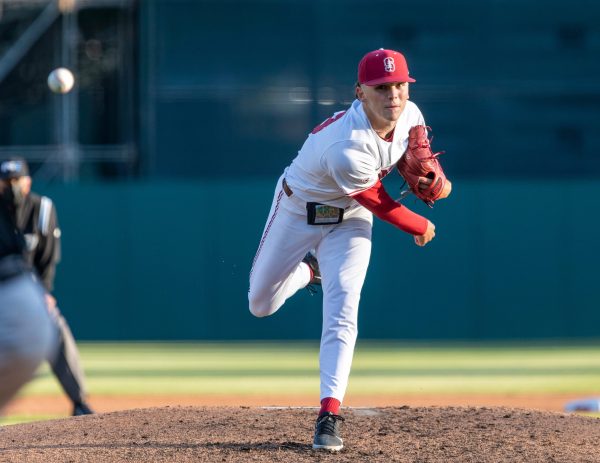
(242, 434)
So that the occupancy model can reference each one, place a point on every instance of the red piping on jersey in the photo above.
(264, 237)
(380, 203)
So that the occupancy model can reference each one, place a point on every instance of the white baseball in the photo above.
(61, 80)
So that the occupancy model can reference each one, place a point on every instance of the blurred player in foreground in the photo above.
(36, 219)
(27, 335)
(324, 204)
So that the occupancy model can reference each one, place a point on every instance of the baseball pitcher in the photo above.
(318, 230)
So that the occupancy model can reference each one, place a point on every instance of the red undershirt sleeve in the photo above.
(380, 203)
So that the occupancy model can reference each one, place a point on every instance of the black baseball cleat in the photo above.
(327, 433)
(311, 261)
(82, 408)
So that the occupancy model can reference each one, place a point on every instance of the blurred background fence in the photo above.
(162, 160)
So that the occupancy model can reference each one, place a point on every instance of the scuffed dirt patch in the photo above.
(242, 434)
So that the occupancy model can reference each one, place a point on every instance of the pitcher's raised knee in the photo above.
(260, 307)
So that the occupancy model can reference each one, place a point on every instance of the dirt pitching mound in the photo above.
(220, 434)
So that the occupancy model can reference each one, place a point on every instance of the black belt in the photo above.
(288, 191)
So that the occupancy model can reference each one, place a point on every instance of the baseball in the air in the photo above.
(61, 80)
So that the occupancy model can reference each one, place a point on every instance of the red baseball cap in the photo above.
(383, 67)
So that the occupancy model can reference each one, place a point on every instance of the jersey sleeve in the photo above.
(380, 203)
(351, 166)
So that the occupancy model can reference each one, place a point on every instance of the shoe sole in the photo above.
(331, 448)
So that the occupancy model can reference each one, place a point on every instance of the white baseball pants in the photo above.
(343, 251)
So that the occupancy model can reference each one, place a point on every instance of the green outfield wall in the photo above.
(171, 261)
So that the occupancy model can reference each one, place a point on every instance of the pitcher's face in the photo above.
(383, 103)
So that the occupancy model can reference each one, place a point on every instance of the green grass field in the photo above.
(247, 368)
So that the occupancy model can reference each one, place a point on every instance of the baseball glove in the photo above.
(419, 163)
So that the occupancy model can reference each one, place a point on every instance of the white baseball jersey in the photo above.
(344, 156)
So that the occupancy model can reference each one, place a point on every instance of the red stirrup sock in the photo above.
(329, 404)
(312, 274)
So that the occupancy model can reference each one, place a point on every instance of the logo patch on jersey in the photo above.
(389, 65)
(322, 214)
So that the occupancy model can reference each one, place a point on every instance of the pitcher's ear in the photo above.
(358, 92)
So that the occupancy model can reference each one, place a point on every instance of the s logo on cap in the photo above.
(388, 64)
